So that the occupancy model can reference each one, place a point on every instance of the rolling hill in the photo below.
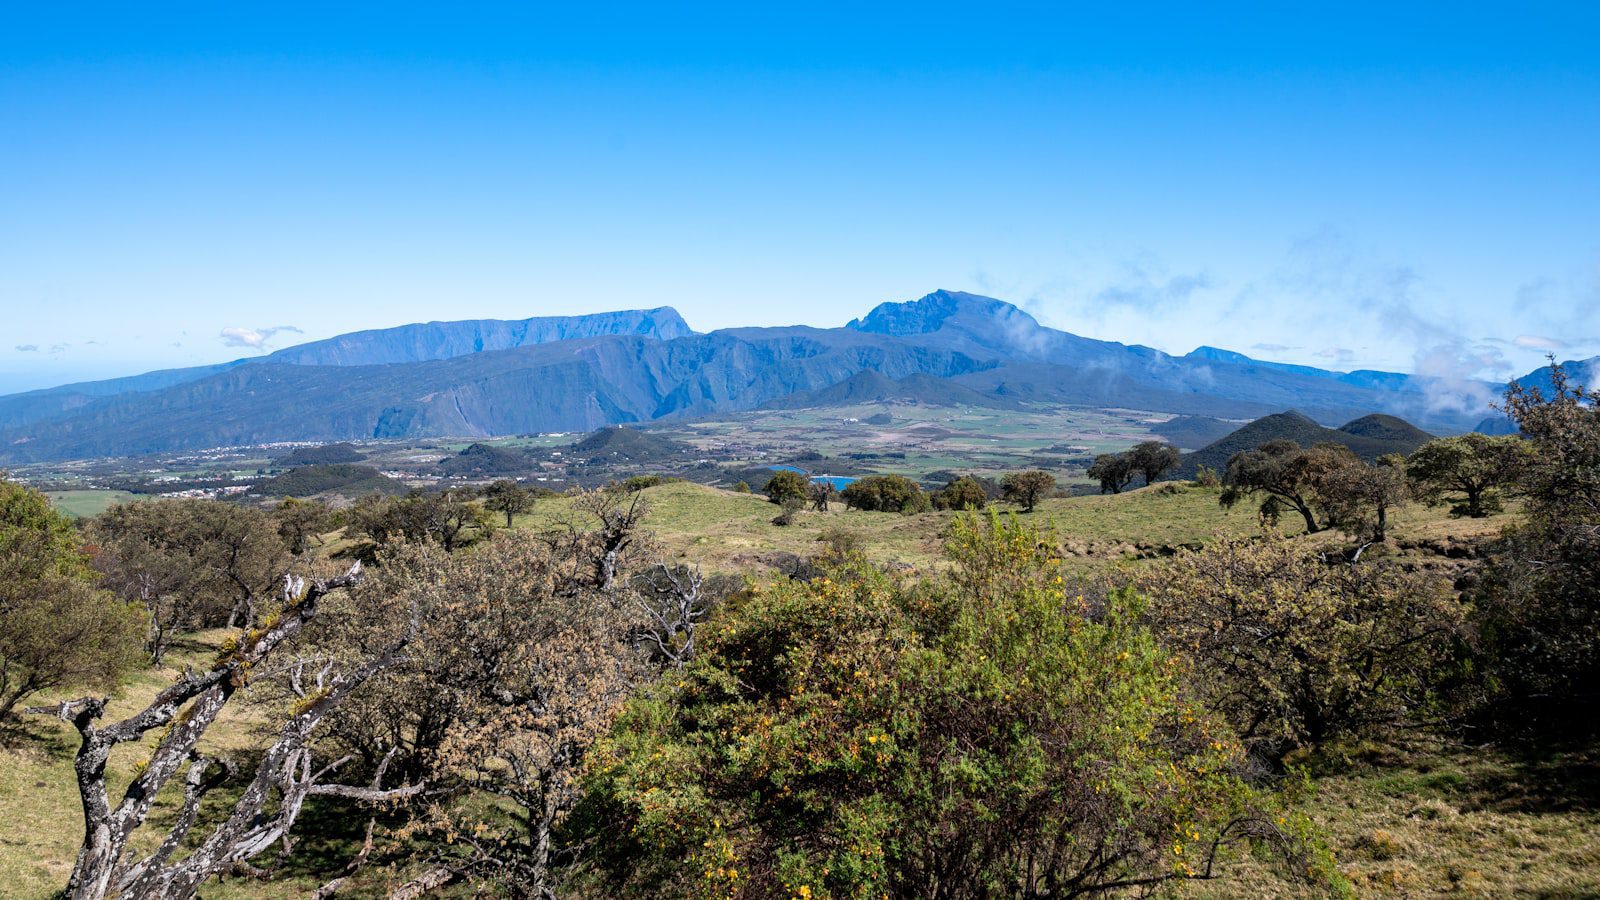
(1193, 432)
(630, 445)
(349, 480)
(486, 460)
(1369, 437)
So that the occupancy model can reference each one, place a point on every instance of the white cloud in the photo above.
(1539, 342)
(254, 338)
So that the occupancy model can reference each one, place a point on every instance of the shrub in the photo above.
(785, 484)
(962, 493)
(863, 736)
(841, 542)
(1027, 488)
(742, 487)
(1207, 477)
(791, 508)
(1294, 651)
(56, 630)
(884, 493)
(1537, 604)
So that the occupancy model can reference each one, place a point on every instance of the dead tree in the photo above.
(600, 541)
(185, 711)
(672, 601)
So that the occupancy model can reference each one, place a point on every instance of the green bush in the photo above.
(973, 736)
(787, 485)
(884, 493)
(964, 493)
(1296, 652)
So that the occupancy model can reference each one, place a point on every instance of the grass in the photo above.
(1445, 820)
(41, 822)
(86, 504)
(726, 531)
(1408, 822)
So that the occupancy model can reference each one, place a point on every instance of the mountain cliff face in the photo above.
(485, 378)
(404, 344)
(444, 340)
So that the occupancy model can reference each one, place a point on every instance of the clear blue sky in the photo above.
(1393, 186)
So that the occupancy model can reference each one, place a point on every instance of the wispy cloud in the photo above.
(1151, 291)
(1539, 342)
(254, 338)
(1273, 348)
(28, 348)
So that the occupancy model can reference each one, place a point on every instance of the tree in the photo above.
(270, 803)
(1295, 651)
(821, 494)
(1474, 465)
(189, 563)
(884, 493)
(55, 628)
(787, 484)
(1287, 475)
(1537, 600)
(1357, 498)
(1154, 459)
(508, 497)
(1028, 488)
(863, 736)
(742, 487)
(964, 493)
(532, 668)
(1114, 471)
(445, 517)
(300, 522)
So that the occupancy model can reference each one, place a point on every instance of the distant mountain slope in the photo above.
(945, 347)
(873, 387)
(1369, 437)
(1585, 372)
(565, 386)
(1366, 378)
(404, 344)
(1193, 432)
(444, 340)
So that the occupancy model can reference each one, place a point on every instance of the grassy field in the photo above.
(972, 439)
(87, 504)
(729, 532)
(1431, 819)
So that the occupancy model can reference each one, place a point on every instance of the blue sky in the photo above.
(1356, 186)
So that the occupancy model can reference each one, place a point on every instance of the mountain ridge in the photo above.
(953, 347)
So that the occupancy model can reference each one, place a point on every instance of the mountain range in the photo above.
(490, 377)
